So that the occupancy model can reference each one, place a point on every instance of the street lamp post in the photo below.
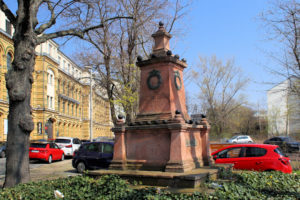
(91, 103)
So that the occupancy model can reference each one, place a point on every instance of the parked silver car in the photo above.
(241, 139)
(68, 144)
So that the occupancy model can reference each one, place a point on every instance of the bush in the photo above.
(106, 187)
(247, 185)
(261, 185)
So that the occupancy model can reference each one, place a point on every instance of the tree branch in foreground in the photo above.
(76, 32)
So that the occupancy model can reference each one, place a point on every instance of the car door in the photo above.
(53, 151)
(253, 158)
(59, 152)
(230, 156)
(107, 150)
(93, 154)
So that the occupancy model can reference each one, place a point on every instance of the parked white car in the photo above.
(240, 139)
(68, 144)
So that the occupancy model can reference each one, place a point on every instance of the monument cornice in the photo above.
(162, 59)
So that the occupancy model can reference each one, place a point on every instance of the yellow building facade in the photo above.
(60, 96)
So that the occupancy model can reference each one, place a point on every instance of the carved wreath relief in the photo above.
(177, 80)
(151, 84)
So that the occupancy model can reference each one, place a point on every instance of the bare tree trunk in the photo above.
(19, 83)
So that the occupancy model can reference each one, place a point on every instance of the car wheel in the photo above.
(50, 159)
(249, 142)
(81, 167)
(62, 157)
(2, 155)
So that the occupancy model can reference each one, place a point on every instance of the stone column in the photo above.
(177, 146)
(205, 142)
(119, 159)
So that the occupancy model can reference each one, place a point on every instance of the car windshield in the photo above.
(38, 145)
(234, 137)
(62, 141)
(288, 139)
(279, 151)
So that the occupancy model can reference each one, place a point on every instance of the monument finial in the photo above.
(161, 39)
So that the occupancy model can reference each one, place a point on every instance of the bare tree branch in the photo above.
(76, 32)
(53, 18)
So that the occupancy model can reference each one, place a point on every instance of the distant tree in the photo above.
(282, 23)
(114, 49)
(29, 32)
(220, 87)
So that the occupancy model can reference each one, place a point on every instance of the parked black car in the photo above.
(286, 143)
(93, 155)
(3, 150)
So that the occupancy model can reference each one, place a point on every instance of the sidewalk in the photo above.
(50, 171)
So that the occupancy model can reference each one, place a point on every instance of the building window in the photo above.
(58, 86)
(59, 60)
(64, 65)
(68, 70)
(58, 105)
(50, 78)
(8, 27)
(50, 89)
(63, 107)
(72, 110)
(8, 61)
(68, 109)
(51, 102)
(50, 50)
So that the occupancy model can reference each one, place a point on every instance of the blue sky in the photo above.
(227, 29)
(230, 29)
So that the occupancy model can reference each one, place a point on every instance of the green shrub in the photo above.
(106, 187)
(247, 185)
(261, 185)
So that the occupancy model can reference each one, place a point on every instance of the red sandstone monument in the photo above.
(162, 137)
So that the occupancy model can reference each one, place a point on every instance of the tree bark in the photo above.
(19, 83)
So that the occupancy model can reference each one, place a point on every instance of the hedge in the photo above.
(246, 185)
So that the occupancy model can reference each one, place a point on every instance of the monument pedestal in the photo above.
(162, 137)
(171, 146)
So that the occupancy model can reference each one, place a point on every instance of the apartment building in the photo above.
(60, 95)
(284, 109)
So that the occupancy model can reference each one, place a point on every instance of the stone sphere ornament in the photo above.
(139, 58)
(169, 53)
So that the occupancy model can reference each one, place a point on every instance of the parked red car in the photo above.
(45, 151)
(258, 157)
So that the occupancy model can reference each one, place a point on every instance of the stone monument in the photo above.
(162, 137)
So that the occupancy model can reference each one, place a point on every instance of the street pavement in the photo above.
(44, 171)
